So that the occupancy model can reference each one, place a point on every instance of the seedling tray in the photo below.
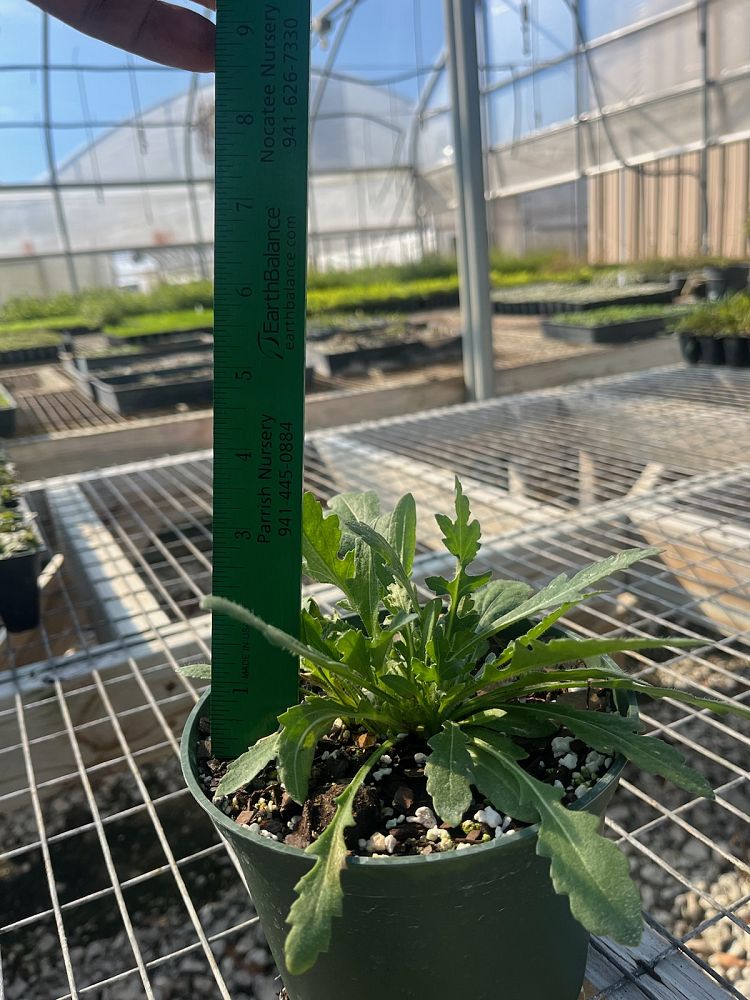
(403, 354)
(23, 355)
(153, 338)
(73, 363)
(545, 307)
(127, 394)
(605, 333)
(8, 414)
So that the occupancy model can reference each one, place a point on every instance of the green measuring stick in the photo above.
(262, 97)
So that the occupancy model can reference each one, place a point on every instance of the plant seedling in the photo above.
(452, 670)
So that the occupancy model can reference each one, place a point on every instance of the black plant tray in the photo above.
(156, 338)
(543, 307)
(25, 354)
(79, 364)
(607, 333)
(127, 394)
(8, 415)
(401, 354)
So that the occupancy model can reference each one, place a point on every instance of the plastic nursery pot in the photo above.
(737, 352)
(712, 350)
(690, 348)
(481, 923)
(725, 280)
(19, 591)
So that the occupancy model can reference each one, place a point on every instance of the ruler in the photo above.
(262, 99)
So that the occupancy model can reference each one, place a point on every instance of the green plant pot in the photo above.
(481, 924)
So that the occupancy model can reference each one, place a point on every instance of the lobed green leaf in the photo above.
(321, 544)
(319, 892)
(586, 867)
(248, 765)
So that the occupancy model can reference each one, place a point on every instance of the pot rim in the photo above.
(224, 823)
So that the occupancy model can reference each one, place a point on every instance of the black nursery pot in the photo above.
(737, 352)
(481, 923)
(712, 350)
(725, 280)
(690, 347)
(19, 591)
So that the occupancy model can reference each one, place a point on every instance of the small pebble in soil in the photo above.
(569, 760)
(376, 844)
(420, 758)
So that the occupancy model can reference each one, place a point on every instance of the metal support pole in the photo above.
(578, 11)
(461, 240)
(706, 124)
(62, 222)
(474, 267)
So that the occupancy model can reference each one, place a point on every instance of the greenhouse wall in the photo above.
(596, 117)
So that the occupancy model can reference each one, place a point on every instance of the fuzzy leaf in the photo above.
(303, 725)
(586, 867)
(390, 557)
(321, 543)
(612, 733)
(564, 590)
(449, 773)
(319, 891)
(718, 707)
(354, 507)
(248, 765)
(511, 722)
(275, 635)
(537, 654)
(400, 528)
(497, 598)
(489, 752)
(198, 671)
(364, 588)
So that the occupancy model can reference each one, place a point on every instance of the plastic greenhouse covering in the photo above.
(106, 169)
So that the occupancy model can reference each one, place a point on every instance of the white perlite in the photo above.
(381, 773)
(561, 745)
(489, 816)
(425, 816)
(420, 758)
(391, 843)
(570, 761)
(594, 760)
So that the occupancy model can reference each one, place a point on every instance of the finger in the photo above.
(153, 29)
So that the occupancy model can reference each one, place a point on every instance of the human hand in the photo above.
(150, 28)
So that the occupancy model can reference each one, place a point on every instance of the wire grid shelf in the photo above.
(115, 886)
